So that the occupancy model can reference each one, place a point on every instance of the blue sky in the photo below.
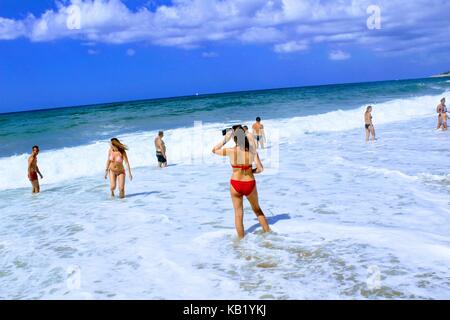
(66, 53)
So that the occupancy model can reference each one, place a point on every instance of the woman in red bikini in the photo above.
(114, 166)
(242, 179)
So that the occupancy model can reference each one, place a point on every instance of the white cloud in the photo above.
(11, 29)
(291, 46)
(339, 55)
(131, 52)
(261, 35)
(286, 25)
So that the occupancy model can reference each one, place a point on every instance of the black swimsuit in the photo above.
(160, 157)
(368, 124)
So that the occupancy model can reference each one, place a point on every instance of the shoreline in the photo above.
(443, 75)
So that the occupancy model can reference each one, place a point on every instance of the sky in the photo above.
(79, 52)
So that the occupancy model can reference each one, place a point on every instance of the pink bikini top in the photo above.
(117, 159)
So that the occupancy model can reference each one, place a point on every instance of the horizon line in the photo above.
(199, 95)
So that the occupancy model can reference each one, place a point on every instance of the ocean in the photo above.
(349, 219)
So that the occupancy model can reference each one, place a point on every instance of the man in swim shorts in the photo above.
(33, 170)
(161, 150)
(258, 133)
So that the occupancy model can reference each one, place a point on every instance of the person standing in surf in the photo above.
(258, 132)
(441, 109)
(33, 170)
(117, 154)
(242, 179)
(370, 130)
(161, 150)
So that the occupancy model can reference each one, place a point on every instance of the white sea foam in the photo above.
(445, 178)
(338, 207)
(340, 120)
(193, 145)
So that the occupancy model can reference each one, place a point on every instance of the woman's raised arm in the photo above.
(218, 148)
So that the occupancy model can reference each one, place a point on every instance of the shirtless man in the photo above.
(33, 170)
(440, 109)
(258, 133)
(161, 150)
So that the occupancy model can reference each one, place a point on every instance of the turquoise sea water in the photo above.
(68, 127)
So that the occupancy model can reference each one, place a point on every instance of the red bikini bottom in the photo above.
(33, 176)
(243, 187)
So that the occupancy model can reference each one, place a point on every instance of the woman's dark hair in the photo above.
(258, 119)
(241, 139)
(35, 147)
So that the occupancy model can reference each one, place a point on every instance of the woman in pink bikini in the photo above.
(114, 166)
(242, 179)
